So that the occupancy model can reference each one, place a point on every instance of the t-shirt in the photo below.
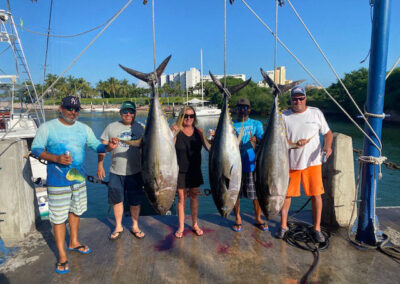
(57, 138)
(305, 125)
(125, 159)
(251, 127)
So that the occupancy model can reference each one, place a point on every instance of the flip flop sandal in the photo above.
(199, 232)
(62, 264)
(78, 249)
(239, 228)
(262, 226)
(176, 235)
(116, 235)
(136, 234)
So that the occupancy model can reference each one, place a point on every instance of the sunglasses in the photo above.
(126, 111)
(298, 99)
(72, 108)
(242, 107)
(188, 116)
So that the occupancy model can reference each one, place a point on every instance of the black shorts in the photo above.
(129, 188)
(190, 180)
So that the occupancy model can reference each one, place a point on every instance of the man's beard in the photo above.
(67, 119)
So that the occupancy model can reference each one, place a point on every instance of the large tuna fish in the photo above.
(272, 160)
(225, 164)
(159, 162)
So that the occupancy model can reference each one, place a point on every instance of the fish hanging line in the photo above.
(379, 147)
(72, 63)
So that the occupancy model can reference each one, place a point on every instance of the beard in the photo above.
(67, 119)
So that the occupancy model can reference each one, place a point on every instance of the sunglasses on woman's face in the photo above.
(128, 110)
(189, 116)
(72, 108)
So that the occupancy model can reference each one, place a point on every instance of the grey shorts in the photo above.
(248, 188)
(129, 188)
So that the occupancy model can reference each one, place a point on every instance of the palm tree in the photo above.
(113, 86)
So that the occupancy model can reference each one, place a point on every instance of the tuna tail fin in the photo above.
(231, 1)
(278, 89)
(149, 78)
(231, 90)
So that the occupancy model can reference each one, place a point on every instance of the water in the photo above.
(388, 188)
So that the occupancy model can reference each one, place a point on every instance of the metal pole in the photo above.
(368, 226)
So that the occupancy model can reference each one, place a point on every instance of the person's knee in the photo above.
(194, 194)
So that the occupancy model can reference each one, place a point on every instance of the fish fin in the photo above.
(231, 1)
(278, 89)
(238, 87)
(151, 77)
(134, 143)
(219, 85)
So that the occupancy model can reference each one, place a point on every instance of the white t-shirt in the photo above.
(305, 125)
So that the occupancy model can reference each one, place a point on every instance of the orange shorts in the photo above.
(311, 179)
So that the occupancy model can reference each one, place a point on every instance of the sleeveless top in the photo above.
(188, 151)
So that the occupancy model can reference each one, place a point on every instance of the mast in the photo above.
(201, 77)
(368, 226)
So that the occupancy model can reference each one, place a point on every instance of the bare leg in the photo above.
(118, 212)
(316, 203)
(259, 221)
(181, 211)
(135, 212)
(59, 234)
(285, 212)
(74, 227)
(194, 209)
(236, 211)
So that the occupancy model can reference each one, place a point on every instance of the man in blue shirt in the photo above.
(252, 133)
(62, 143)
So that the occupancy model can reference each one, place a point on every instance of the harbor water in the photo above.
(388, 188)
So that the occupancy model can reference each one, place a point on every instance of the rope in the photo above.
(225, 44)
(313, 77)
(47, 45)
(154, 36)
(5, 49)
(73, 62)
(337, 76)
(373, 160)
(65, 36)
(275, 40)
(394, 66)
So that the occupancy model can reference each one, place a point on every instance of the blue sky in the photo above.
(341, 27)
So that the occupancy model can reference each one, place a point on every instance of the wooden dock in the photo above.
(219, 256)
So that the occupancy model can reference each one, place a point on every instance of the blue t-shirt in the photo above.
(251, 127)
(57, 138)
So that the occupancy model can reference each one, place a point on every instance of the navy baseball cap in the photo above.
(298, 90)
(128, 104)
(71, 101)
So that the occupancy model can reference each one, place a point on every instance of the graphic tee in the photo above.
(251, 127)
(58, 138)
(305, 125)
(125, 159)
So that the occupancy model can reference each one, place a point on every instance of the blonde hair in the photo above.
(181, 115)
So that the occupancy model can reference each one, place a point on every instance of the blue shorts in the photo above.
(129, 188)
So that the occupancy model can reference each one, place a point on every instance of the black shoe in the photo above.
(281, 233)
(319, 237)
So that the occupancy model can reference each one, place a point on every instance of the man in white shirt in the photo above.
(303, 125)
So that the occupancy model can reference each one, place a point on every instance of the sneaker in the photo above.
(319, 237)
(281, 233)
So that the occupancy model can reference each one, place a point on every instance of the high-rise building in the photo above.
(278, 76)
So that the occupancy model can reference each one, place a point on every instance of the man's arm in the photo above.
(100, 159)
(61, 159)
(328, 138)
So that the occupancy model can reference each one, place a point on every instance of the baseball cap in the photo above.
(243, 101)
(128, 104)
(298, 90)
(70, 101)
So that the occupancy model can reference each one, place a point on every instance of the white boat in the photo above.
(15, 123)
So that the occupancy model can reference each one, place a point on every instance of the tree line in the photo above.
(261, 98)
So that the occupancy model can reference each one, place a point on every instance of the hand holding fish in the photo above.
(64, 159)
(302, 142)
(112, 144)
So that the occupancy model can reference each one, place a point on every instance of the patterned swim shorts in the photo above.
(65, 199)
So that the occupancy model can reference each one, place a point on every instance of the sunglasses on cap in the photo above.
(298, 99)
(76, 109)
(128, 110)
(242, 107)
(188, 116)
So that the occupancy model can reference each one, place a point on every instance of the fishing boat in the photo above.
(15, 123)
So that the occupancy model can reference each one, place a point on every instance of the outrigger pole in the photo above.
(368, 226)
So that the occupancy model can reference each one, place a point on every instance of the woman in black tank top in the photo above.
(189, 142)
